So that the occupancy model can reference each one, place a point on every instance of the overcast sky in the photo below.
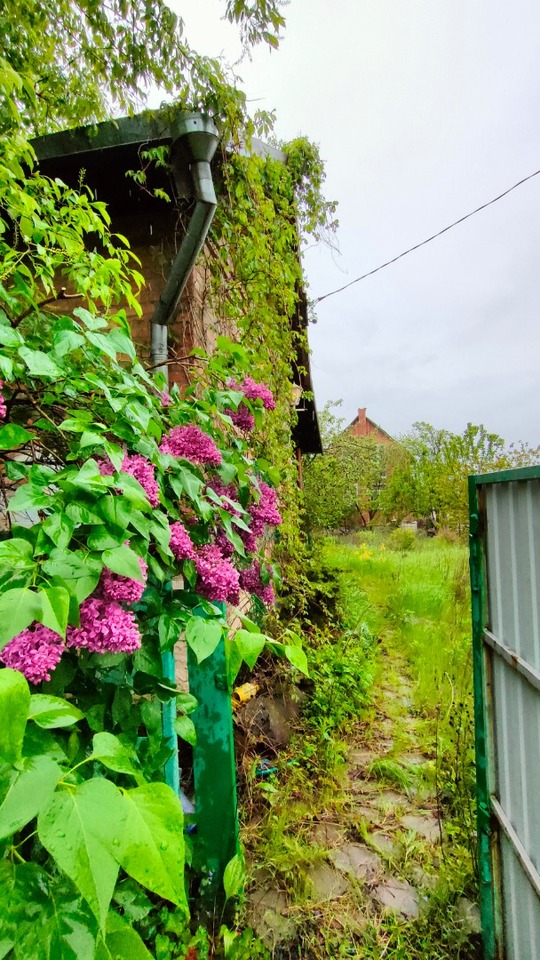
(423, 109)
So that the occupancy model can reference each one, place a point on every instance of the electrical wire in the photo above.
(429, 239)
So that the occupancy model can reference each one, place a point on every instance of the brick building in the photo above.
(156, 230)
(362, 426)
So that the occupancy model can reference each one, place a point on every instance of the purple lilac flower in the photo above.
(122, 589)
(191, 443)
(3, 408)
(227, 492)
(251, 581)
(242, 418)
(105, 628)
(35, 651)
(217, 578)
(266, 510)
(140, 468)
(180, 543)
(258, 391)
(223, 543)
(249, 539)
(165, 398)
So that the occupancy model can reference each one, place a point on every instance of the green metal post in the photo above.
(488, 894)
(168, 717)
(216, 816)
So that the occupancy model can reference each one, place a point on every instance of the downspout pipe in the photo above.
(195, 139)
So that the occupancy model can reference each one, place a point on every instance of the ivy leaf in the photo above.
(29, 789)
(12, 436)
(152, 850)
(185, 728)
(250, 646)
(14, 703)
(40, 364)
(112, 753)
(83, 829)
(123, 561)
(203, 637)
(52, 712)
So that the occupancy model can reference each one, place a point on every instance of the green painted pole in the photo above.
(488, 898)
(168, 717)
(216, 814)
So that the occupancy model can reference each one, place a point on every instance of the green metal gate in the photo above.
(505, 581)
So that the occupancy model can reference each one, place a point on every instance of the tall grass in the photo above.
(416, 597)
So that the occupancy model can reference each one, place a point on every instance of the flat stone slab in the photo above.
(361, 758)
(392, 799)
(428, 881)
(398, 896)
(413, 759)
(328, 883)
(358, 860)
(424, 824)
(266, 911)
(328, 834)
(370, 814)
(385, 844)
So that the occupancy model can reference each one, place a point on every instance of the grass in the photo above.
(401, 614)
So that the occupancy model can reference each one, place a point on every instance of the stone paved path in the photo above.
(380, 854)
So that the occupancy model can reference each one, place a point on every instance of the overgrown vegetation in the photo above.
(400, 628)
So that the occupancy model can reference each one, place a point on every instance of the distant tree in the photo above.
(344, 484)
(431, 481)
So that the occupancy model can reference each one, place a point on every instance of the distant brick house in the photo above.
(362, 426)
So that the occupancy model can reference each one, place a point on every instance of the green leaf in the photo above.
(59, 528)
(55, 609)
(250, 646)
(112, 753)
(203, 637)
(186, 702)
(17, 553)
(65, 341)
(152, 850)
(185, 728)
(30, 497)
(14, 703)
(40, 364)
(18, 609)
(82, 829)
(234, 877)
(52, 712)
(297, 657)
(29, 789)
(123, 561)
(9, 337)
(12, 436)
(123, 942)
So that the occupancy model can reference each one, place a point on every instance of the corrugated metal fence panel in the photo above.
(512, 644)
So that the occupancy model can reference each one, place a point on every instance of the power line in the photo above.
(429, 239)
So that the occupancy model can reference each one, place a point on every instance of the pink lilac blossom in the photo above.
(165, 398)
(35, 652)
(3, 408)
(266, 510)
(180, 543)
(242, 418)
(258, 391)
(249, 539)
(140, 468)
(191, 443)
(217, 578)
(123, 589)
(228, 492)
(251, 581)
(105, 628)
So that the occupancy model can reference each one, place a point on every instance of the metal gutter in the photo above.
(195, 139)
